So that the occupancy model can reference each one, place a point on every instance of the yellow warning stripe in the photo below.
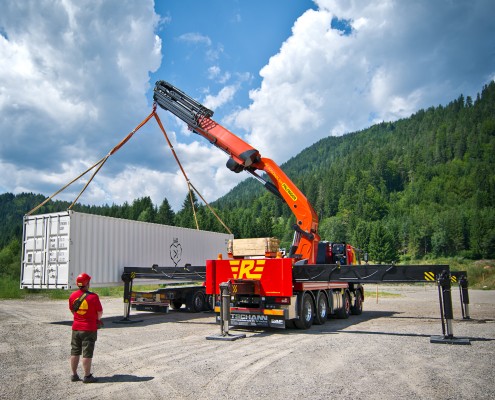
(429, 276)
(453, 278)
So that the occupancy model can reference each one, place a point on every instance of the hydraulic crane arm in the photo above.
(244, 157)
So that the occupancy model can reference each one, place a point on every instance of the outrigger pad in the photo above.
(449, 340)
(229, 337)
(127, 321)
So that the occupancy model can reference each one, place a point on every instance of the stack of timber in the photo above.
(256, 247)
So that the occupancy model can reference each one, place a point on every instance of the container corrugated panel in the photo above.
(59, 246)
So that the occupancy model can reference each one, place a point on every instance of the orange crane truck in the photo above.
(316, 279)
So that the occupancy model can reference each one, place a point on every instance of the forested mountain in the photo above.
(426, 182)
(421, 186)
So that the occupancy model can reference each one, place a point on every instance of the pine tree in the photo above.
(165, 214)
(381, 247)
(185, 216)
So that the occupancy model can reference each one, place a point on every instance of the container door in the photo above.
(45, 258)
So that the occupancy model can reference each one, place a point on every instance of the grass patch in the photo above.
(9, 288)
(370, 293)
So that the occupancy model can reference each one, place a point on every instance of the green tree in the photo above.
(143, 209)
(165, 214)
(185, 216)
(264, 224)
(382, 248)
(334, 229)
(482, 233)
(9, 259)
(361, 236)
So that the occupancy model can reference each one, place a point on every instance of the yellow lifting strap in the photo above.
(189, 184)
(101, 162)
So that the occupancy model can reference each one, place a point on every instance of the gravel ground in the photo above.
(385, 353)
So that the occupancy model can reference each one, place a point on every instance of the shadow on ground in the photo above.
(124, 378)
(149, 318)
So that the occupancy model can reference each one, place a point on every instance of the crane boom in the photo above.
(244, 157)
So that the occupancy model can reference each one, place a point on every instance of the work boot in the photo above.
(75, 378)
(90, 379)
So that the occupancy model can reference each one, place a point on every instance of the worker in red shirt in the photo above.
(87, 311)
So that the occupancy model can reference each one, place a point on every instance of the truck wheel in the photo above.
(357, 307)
(321, 314)
(176, 304)
(209, 303)
(195, 302)
(306, 312)
(345, 310)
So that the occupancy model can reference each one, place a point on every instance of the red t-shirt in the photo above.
(86, 316)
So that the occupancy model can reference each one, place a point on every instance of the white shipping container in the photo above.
(58, 247)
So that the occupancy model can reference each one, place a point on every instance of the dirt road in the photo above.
(385, 353)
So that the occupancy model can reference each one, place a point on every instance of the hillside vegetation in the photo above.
(425, 184)
(420, 188)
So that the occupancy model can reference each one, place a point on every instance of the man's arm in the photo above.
(70, 305)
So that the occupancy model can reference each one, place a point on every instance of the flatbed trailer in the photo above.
(193, 296)
(189, 292)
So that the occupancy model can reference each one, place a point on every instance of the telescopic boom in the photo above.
(244, 157)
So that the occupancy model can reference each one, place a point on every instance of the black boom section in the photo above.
(368, 273)
(180, 104)
(188, 272)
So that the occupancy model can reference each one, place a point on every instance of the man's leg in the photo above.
(74, 362)
(86, 363)
(76, 350)
(87, 355)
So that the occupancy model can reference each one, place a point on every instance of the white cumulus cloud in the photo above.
(399, 57)
(73, 82)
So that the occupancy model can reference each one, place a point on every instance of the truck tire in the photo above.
(195, 301)
(209, 303)
(321, 313)
(176, 304)
(357, 307)
(345, 310)
(306, 311)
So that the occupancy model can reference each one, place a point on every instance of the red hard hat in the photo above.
(83, 279)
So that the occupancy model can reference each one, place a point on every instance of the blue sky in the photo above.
(210, 44)
(282, 74)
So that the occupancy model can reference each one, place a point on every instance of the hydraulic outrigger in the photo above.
(392, 274)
